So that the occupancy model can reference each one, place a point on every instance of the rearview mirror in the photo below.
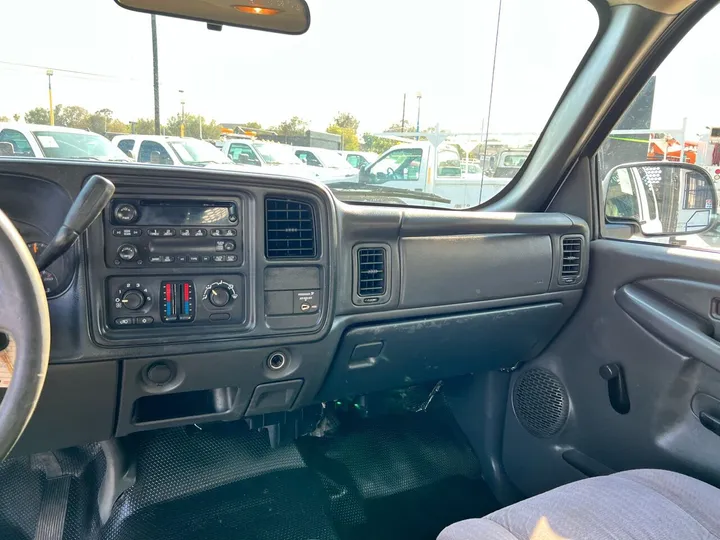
(283, 16)
(661, 198)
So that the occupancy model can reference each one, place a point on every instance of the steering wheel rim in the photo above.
(25, 317)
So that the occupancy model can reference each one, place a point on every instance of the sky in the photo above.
(358, 56)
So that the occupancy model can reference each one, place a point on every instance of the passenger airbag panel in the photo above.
(445, 270)
(414, 351)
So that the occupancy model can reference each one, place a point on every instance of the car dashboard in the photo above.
(204, 295)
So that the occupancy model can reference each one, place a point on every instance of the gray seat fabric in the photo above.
(638, 505)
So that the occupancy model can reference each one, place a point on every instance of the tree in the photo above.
(252, 125)
(4, 119)
(16, 117)
(116, 126)
(294, 127)
(210, 130)
(145, 126)
(348, 137)
(73, 116)
(100, 121)
(39, 115)
(346, 120)
(346, 125)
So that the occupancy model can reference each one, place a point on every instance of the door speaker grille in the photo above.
(540, 402)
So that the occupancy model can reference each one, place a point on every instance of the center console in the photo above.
(158, 235)
(232, 263)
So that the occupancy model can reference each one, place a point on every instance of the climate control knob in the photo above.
(220, 294)
(127, 252)
(133, 300)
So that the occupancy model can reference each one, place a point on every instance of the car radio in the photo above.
(173, 233)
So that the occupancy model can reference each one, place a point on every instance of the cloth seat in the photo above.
(642, 504)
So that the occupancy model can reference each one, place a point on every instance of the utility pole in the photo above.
(52, 112)
(156, 79)
(417, 127)
(402, 124)
(200, 119)
(182, 119)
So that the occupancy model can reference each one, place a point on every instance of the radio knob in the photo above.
(125, 213)
(219, 296)
(127, 252)
(133, 300)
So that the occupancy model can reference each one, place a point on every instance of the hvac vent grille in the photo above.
(540, 402)
(289, 230)
(571, 259)
(371, 272)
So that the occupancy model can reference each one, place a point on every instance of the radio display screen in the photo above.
(187, 214)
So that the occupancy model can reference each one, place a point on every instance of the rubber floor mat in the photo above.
(221, 482)
(399, 477)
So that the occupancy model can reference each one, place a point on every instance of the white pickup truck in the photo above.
(418, 167)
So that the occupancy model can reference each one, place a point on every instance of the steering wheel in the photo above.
(25, 319)
(390, 171)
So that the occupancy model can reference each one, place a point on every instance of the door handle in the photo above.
(617, 387)
(710, 422)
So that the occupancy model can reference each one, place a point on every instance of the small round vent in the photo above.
(540, 402)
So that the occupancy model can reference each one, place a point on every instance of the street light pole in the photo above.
(52, 112)
(417, 127)
(402, 124)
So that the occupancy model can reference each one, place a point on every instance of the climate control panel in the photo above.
(158, 301)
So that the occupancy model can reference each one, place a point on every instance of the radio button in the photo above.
(218, 258)
(182, 258)
(126, 232)
(231, 258)
(193, 258)
(199, 232)
(229, 245)
(153, 232)
(168, 232)
(155, 258)
(167, 259)
(216, 232)
(184, 232)
(206, 258)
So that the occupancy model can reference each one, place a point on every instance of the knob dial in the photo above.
(219, 296)
(127, 252)
(133, 300)
(125, 213)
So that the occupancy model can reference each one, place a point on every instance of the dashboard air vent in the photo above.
(371, 271)
(289, 230)
(571, 259)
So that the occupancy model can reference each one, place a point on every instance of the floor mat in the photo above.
(400, 476)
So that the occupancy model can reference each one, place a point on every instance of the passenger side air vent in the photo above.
(571, 270)
(371, 272)
(289, 230)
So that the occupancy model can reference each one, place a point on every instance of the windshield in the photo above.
(480, 76)
(192, 152)
(64, 145)
(277, 154)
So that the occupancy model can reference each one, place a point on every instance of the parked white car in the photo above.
(270, 157)
(357, 159)
(163, 150)
(56, 142)
(328, 164)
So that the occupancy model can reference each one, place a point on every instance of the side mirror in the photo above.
(661, 198)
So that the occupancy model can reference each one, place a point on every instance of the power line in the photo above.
(492, 87)
(70, 71)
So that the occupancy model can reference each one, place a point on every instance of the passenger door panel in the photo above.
(648, 309)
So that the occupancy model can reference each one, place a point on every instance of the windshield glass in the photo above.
(64, 145)
(277, 154)
(481, 76)
(192, 152)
